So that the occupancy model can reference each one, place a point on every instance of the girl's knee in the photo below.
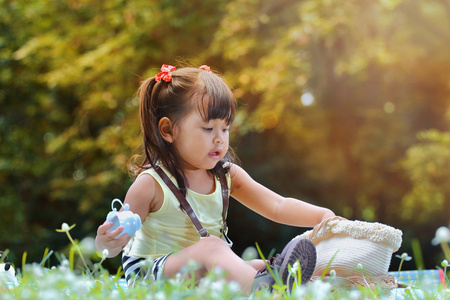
(213, 243)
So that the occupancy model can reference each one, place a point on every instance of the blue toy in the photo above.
(130, 221)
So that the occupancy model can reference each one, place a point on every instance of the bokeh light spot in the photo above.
(269, 119)
(389, 107)
(307, 99)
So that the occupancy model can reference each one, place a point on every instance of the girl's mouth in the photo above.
(214, 154)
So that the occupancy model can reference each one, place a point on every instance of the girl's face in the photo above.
(200, 144)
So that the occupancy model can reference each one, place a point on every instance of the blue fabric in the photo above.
(123, 283)
(410, 278)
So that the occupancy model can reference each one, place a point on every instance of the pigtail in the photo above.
(147, 118)
(149, 94)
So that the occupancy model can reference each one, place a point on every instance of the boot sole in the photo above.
(302, 250)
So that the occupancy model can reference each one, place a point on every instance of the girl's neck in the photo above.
(200, 181)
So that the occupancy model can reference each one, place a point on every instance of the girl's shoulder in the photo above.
(235, 170)
(145, 194)
(238, 176)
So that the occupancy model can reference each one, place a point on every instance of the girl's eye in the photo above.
(207, 128)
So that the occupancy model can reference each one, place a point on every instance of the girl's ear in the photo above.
(165, 127)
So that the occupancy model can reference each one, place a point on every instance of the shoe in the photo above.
(300, 249)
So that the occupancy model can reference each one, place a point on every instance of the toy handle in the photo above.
(125, 207)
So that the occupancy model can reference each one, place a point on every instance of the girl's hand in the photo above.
(109, 240)
(328, 214)
(143, 196)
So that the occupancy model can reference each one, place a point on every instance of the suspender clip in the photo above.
(203, 232)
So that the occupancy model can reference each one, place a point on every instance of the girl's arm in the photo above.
(143, 196)
(269, 204)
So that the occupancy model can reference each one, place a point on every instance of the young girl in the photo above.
(185, 117)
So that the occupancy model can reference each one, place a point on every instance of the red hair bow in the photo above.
(206, 68)
(165, 73)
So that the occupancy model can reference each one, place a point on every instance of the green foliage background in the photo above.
(374, 144)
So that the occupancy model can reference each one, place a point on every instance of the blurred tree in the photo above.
(340, 90)
(428, 165)
(332, 98)
(69, 116)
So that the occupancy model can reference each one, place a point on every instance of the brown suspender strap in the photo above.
(186, 206)
(225, 197)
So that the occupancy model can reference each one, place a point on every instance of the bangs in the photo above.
(215, 100)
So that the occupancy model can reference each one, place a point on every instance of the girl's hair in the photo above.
(189, 88)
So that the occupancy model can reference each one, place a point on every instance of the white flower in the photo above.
(69, 277)
(176, 280)
(65, 263)
(216, 288)
(191, 265)
(359, 266)
(294, 268)
(87, 245)
(218, 272)
(115, 294)
(320, 289)
(105, 253)
(65, 227)
(204, 286)
(332, 273)
(160, 295)
(404, 256)
(234, 287)
(35, 269)
(442, 236)
(355, 295)
(300, 292)
(445, 264)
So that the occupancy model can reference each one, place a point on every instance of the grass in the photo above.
(61, 282)
(88, 280)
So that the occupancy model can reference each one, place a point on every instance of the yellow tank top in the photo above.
(170, 229)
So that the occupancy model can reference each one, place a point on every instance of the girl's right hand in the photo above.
(109, 240)
(143, 196)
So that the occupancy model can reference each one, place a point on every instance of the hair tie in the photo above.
(206, 68)
(165, 73)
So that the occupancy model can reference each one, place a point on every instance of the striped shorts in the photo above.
(136, 268)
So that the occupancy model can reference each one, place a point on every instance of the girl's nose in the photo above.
(219, 138)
